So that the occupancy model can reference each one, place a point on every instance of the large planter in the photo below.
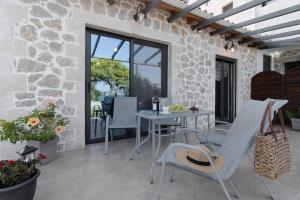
(295, 124)
(48, 149)
(23, 191)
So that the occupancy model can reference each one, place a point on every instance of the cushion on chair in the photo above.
(181, 156)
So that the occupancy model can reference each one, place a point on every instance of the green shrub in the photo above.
(293, 114)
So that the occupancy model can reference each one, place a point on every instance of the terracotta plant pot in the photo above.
(22, 191)
(295, 124)
(48, 149)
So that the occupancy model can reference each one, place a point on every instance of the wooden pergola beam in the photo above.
(187, 10)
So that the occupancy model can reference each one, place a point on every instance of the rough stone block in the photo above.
(65, 61)
(50, 93)
(38, 11)
(57, 9)
(28, 65)
(55, 24)
(49, 81)
(45, 57)
(25, 103)
(49, 35)
(56, 47)
(24, 95)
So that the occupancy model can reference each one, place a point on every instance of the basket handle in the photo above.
(282, 123)
(268, 112)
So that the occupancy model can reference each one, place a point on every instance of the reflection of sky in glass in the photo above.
(152, 56)
(106, 46)
(146, 54)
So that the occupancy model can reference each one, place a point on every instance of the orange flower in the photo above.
(59, 130)
(33, 121)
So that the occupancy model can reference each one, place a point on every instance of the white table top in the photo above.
(149, 114)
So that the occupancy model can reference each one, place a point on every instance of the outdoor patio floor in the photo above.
(88, 174)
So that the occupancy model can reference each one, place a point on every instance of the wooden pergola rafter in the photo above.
(233, 31)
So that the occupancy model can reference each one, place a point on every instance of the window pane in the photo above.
(147, 74)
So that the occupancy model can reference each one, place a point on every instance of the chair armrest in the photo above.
(221, 122)
(221, 130)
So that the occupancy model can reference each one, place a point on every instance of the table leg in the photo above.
(196, 122)
(159, 141)
(138, 136)
(153, 140)
(208, 128)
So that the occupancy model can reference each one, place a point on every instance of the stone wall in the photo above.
(285, 57)
(43, 53)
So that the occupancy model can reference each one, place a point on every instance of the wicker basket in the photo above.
(272, 157)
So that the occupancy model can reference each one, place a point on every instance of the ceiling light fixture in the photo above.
(140, 13)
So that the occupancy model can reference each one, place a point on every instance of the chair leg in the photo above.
(111, 135)
(236, 195)
(106, 140)
(224, 189)
(151, 173)
(266, 186)
(262, 180)
(161, 180)
(172, 174)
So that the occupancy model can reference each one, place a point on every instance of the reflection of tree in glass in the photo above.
(111, 72)
(145, 91)
(95, 94)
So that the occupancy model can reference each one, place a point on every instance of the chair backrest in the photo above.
(108, 104)
(125, 109)
(240, 136)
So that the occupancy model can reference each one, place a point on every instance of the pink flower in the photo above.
(42, 157)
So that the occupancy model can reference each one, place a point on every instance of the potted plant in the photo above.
(41, 128)
(295, 119)
(18, 179)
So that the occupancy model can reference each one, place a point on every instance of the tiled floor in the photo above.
(88, 174)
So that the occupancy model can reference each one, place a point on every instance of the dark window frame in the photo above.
(233, 63)
(164, 71)
(269, 67)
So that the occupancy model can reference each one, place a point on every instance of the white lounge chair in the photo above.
(232, 150)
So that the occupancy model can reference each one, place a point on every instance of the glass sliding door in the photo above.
(225, 89)
(149, 70)
(108, 70)
(120, 66)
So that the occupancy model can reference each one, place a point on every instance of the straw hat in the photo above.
(196, 160)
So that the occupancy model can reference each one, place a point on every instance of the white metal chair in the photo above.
(233, 147)
(124, 116)
(216, 136)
